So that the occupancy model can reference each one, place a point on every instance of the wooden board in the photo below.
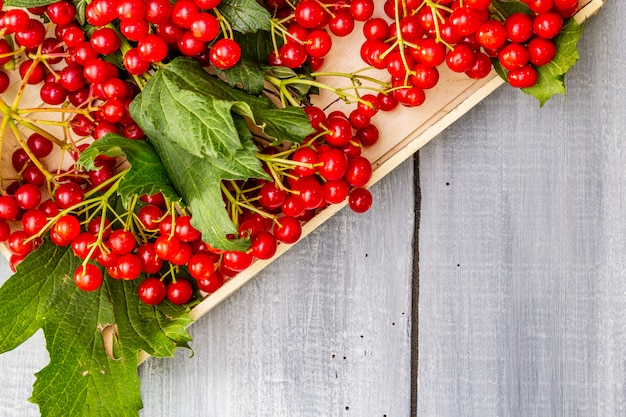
(522, 251)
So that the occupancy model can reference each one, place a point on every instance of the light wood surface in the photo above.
(522, 304)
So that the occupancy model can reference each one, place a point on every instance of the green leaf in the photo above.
(194, 109)
(284, 123)
(245, 15)
(83, 376)
(198, 180)
(248, 73)
(505, 8)
(27, 3)
(551, 77)
(147, 174)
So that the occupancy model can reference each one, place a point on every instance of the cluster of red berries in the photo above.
(305, 28)
(155, 239)
(464, 36)
(524, 42)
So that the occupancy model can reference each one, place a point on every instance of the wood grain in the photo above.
(521, 247)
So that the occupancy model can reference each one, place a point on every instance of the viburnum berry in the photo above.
(28, 196)
(33, 221)
(539, 6)
(287, 230)
(307, 156)
(465, 20)
(513, 56)
(524, 77)
(67, 227)
(83, 244)
(131, 9)
(5, 230)
(105, 41)
(292, 55)
(8, 207)
(333, 164)
(88, 277)
(310, 191)
(362, 10)
(205, 27)
(360, 200)
(189, 45)
(271, 196)
(152, 48)
(158, 11)
(335, 191)
(541, 51)
(184, 230)
(19, 242)
(184, 12)
(237, 260)
(339, 131)
(129, 266)
(152, 291)
(61, 13)
(201, 265)
(133, 62)
(121, 241)
(150, 261)
(341, 23)
(547, 25)
(263, 245)
(179, 292)
(5, 82)
(166, 247)
(293, 206)
(318, 43)
(460, 58)
(211, 283)
(39, 145)
(135, 30)
(492, 34)
(68, 194)
(182, 256)
(519, 27)
(358, 171)
(311, 14)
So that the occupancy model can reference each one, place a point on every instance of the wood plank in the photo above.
(522, 282)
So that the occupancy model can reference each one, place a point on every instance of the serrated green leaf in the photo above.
(147, 174)
(199, 183)
(245, 15)
(551, 77)
(194, 109)
(283, 123)
(83, 378)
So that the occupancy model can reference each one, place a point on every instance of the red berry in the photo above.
(179, 292)
(360, 200)
(88, 277)
(152, 291)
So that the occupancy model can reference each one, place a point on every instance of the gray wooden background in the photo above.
(488, 280)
